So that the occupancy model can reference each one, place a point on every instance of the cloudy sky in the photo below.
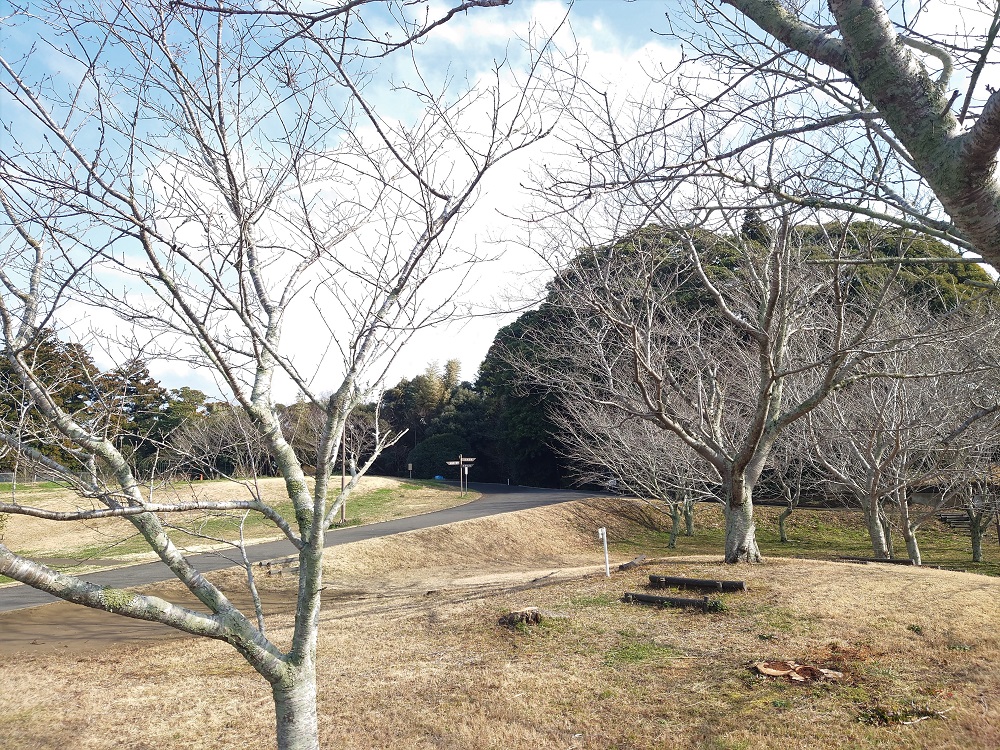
(617, 45)
(617, 42)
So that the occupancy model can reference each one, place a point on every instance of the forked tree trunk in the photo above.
(909, 533)
(977, 528)
(876, 531)
(886, 525)
(675, 524)
(741, 532)
(782, 531)
(295, 710)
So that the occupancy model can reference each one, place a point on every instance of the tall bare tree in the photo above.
(211, 176)
(886, 442)
(717, 338)
(608, 448)
(899, 94)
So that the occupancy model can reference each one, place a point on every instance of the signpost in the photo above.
(463, 463)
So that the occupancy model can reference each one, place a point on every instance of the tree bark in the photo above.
(909, 533)
(876, 531)
(295, 709)
(959, 166)
(783, 534)
(886, 525)
(741, 532)
(675, 525)
(976, 529)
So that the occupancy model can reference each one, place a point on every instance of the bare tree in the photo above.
(611, 449)
(717, 338)
(223, 443)
(885, 442)
(899, 95)
(792, 472)
(981, 502)
(210, 175)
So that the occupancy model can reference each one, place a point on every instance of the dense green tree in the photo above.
(412, 405)
(430, 456)
(67, 371)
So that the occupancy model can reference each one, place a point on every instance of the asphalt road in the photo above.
(496, 499)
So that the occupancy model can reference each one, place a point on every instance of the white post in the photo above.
(602, 533)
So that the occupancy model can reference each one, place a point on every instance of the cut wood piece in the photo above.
(704, 604)
(896, 561)
(529, 616)
(796, 672)
(632, 563)
(703, 584)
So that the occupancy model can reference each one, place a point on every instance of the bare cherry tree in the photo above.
(886, 443)
(611, 449)
(717, 337)
(899, 94)
(220, 183)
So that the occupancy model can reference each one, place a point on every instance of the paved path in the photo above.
(496, 498)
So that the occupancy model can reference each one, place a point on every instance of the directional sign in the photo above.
(452, 463)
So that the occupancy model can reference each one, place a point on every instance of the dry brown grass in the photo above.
(412, 657)
(107, 539)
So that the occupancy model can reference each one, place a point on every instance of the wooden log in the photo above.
(701, 584)
(704, 604)
(895, 561)
(632, 563)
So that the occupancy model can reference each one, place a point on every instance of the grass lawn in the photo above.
(816, 534)
(412, 656)
(375, 499)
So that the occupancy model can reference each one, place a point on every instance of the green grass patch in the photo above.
(816, 534)
(600, 600)
(28, 488)
(362, 508)
(639, 653)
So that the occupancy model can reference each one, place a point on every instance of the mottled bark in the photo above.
(886, 525)
(295, 709)
(782, 531)
(958, 164)
(908, 531)
(688, 516)
(741, 532)
(978, 523)
(976, 530)
(675, 524)
(876, 531)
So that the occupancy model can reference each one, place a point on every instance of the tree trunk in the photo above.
(688, 516)
(886, 525)
(295, 709)
(909, 533)
(783, 535)
(976, 528)
(741, 533)
(675, 524)
(876, 531)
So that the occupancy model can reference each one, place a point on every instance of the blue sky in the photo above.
(617, 42)
(615, 38)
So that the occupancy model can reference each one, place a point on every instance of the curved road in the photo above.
(496, 499)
